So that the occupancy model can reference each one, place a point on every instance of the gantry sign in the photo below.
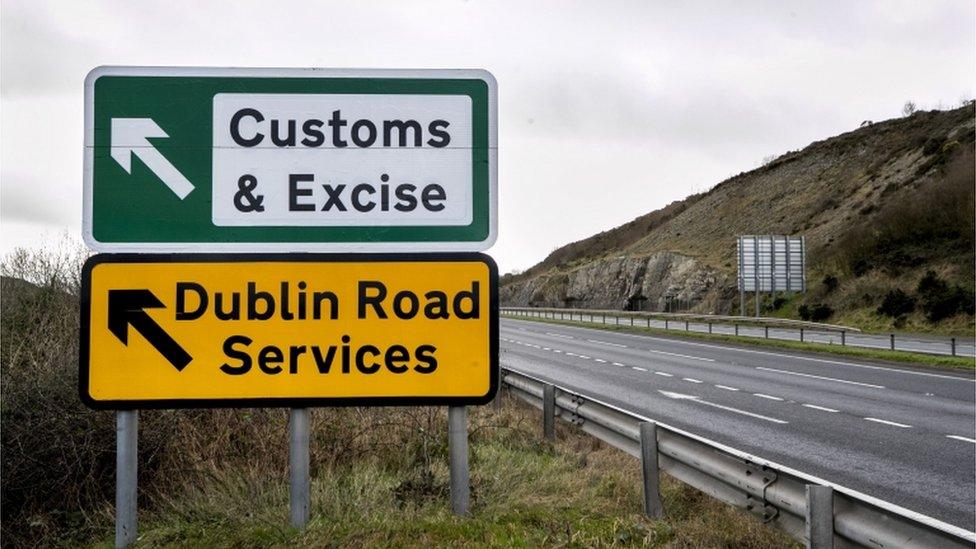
(289, 160)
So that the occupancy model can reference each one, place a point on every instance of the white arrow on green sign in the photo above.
(195, 159)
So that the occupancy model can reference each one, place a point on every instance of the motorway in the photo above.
(919, 343)
(903, 435)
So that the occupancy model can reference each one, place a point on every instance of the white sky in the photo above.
(607, 110)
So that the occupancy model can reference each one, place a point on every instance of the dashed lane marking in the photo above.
(639, 369)
(692, 380)
(886, 422)
(665, 374)
(681, 355)
(862, 384)
(726, 387)
(821, 408)
(770, 397)
(598, 342)
(964, 439)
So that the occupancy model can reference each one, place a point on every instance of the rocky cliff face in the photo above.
(645, 283)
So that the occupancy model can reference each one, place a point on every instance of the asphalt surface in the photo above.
(903, 435)
(919, 343)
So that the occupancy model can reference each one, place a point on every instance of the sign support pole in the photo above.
(457, 441)
(126, 479)
(298, 466)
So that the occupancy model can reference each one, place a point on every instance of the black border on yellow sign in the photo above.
(276, 402)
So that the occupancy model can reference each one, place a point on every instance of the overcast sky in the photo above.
(607, 110)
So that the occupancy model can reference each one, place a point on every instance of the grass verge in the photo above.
(526, 492)
(901, 357)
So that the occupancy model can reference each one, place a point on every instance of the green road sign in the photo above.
(207, 159)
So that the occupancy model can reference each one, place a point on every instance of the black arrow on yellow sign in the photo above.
(126, 307)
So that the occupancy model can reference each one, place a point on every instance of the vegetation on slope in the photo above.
(880, 207)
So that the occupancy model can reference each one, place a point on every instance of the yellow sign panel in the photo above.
(247, 330)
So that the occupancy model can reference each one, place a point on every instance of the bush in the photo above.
(939, 300)
(830, 282)
(778, 303)
(816, 312)
(896, 303)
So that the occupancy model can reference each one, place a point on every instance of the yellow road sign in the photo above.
(174, 331)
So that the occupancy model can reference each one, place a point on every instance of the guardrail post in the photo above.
(603, 319)
(952, 343)
(126, 474)
(736, 329)
(298, 479)
(801, 335)
(652, 474)
(457, 441)
(843, 338)
(892, 342)
(820, 517)
(616, 320)
(631, 321)
(767, 331)
(686, 326)
(666, 325)
(709, 327)
(549, 411)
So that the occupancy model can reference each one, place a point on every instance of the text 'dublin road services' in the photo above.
(190, 331)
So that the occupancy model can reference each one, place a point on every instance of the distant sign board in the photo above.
(197, 159)
(772, 263)
(178, 331)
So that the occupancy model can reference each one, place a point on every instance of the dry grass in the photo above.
(217, 478)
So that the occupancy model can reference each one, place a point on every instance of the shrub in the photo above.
(778, 303)
(815, 312)
(896, 303)
(939, 300)
(830, 282)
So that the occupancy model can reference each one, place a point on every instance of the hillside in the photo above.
(880, 206)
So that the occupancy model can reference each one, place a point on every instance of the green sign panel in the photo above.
(196, 159)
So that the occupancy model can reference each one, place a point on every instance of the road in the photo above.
(919, 343)
(907, 436)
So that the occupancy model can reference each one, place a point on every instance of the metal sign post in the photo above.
(126, 480)
(457, 438)
(298, 461)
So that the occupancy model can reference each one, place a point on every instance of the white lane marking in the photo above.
(571, 354)
(559, 335)
(681, 355)
(606, 343)
(770, 397)
(726, 387)
(691, 379)
(957, 437)
(680, 396)
(617, 364)
(665, 374)
(811, 359)
(556, 351)
(599, 360)
(639, 369)
(821, 408)
(886, 422)
(584, 357)
(820, 377)
(546, 349)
